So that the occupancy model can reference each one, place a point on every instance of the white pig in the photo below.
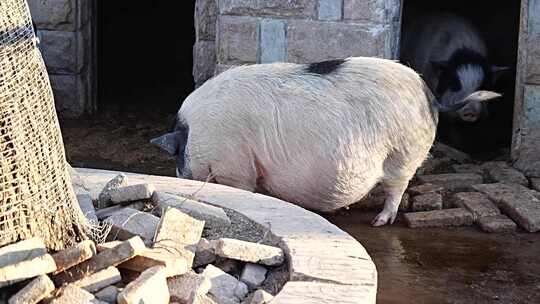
(320, 135)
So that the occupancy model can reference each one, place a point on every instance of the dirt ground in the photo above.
(415, 266)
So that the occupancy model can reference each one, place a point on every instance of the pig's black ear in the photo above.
(167, 142)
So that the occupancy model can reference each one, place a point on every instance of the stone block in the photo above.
(384, 11)
(442, 150)
(72, 294)
(527, 137)
(452, 181)
(149, 287)
(54, 14)
(312, 41)
(224, 287)
(108, 211)
(427, 202)
(439, 218)
(237, 40)
(533, 43)
(205, 19)
(129, 222)
(35, 291)
(330, 10)
(276, 8)
(499, 171)
(535, 183)
(425, 189)
(433, 164)
(213, 217)
(249, 252)
(99, 280)
(375, 201)
(261, 297)
(178, 233)
(220, 68)
(132, 193)
(174, 265)
(273, 41)
(205, 253)
(516, 201)
(62, 51)
(109, 257)
(26, 269)
(468, 168)
(21, 251)
(188, 287)
(253, 275)
(74, 255)
(87, 207)
(497, 224)
(204, 60)
(108, 294)
(104, 198)
(70, 94)
(477, 203)
(228, 265)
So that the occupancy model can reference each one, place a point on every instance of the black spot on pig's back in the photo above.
(325, 67)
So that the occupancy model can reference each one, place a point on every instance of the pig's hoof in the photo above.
(384, 218)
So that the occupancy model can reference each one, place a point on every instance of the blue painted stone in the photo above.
(330, 9)
(273, 41)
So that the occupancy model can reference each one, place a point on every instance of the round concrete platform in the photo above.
(326, 264)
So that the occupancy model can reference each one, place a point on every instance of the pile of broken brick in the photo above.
(146, 259)
(451, 189)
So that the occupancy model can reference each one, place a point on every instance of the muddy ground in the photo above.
(461, 265)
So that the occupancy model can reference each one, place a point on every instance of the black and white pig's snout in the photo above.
(174, 143)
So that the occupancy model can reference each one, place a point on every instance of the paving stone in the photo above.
(178, 233)
(452, 181)
(375, 201)
(450, 152)
(230, 266)
(107, 245)
(132, 193)
(187, 288)
(35, 291)
(174, 265)
(104, 213)
(261, 297)
(99, 280)
(425, 189)
(497, 224)
(500, 171)
(205, 253)
(26, 269)
(104, 198)
(108, 294)
(212, 216)
(249, 252)
(224, 286)
(253, 275)
(87, 207)
(432, 164)
(71, 294)
(74, 255)
(129, 222)
(535, 194)
(109, 257)
(22, 251)
(149, 287)
(535, 183)
(427, 202)
(468, 168)
(439, 218)
(516, 201)
(477, 203)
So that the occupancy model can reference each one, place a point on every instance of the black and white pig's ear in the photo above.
(167, 142)
(498, 71)
(482, 96)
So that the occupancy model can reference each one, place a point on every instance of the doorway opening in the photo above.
(144, 54)
(497, 21)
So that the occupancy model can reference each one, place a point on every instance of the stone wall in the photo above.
(254, 31)
(64, 28)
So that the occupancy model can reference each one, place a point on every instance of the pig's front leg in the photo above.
(394, 191)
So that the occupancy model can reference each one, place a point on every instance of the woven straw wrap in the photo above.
(36, 195)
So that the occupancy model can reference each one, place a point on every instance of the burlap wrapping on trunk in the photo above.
(36, 195)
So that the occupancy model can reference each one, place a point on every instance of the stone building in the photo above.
(235, 32)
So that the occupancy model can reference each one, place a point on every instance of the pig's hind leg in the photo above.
(394, 190)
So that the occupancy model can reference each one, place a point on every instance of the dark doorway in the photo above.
(145, 53)
(498, 22)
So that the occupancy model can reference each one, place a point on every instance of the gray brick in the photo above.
(204, 61)
(427, 202)
(439, 218)
(273, 41)
(205, 19)
(237, 39)
(278, 8)
(63, 52)
(477, 203)
(497, 224)
(384, 11)
(54, 14)
(330, 10)
(452, 181)
(502, 172)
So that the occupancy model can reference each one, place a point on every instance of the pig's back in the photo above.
(329, 134)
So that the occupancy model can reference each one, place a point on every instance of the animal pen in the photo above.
(91, 49)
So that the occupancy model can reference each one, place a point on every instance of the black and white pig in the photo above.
(451, 55)
(319, 135)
